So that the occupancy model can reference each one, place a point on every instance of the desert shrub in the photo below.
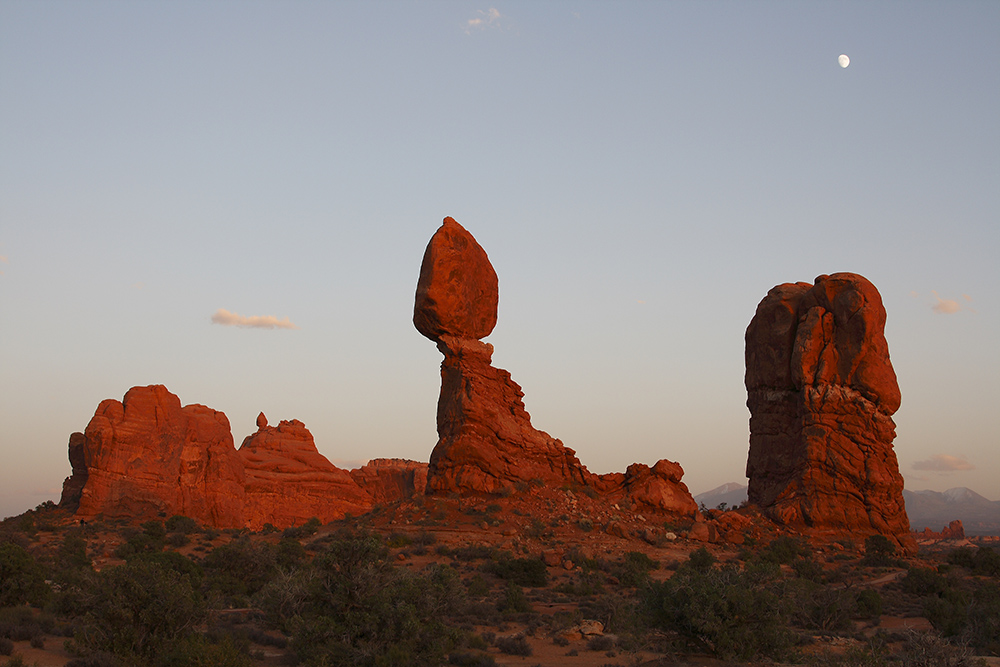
(586, 525)
(134, 611)
(868, 603)
(923, 581)
(285, 597)
(72, 553)
(819, 607)
(290, 554)
(177, 563)
(177, 540)
(514, 600)
(600, 643)
(514, 645)
(700, 559)
(634, 568)
(360, 610)
(470, 552)
(307, 529)
(783, 550)
(732, 612)
(983, 561)
(99, 659)
(181, 524)
(6, 646)
(879, 552)
(195, 650)
(477, 586)
(240, 568)
(22, 579)
(466, 659)
(584, 584)
(521, 571)
(397, 540)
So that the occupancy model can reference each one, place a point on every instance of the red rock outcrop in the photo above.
(953, 531)
(821, 391)
(146, 456)
(73, 485)
(288, 481)
(389, 480)
(486, 443)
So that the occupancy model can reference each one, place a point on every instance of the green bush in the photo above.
(515, 645)
(134, 611)
(700, 559)
(181, 524)
(22, 579)
(923, 581)
(732, 612)
(785, 549)
(879, 552)
(360, 610)
(521, 571)
(240, 568)
(195, 650)
(514, 600)
(868, 603)
(634, 569)
(983, 561)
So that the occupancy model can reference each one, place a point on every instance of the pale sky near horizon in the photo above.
(640, 174)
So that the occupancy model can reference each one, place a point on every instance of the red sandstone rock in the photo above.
(457, 290)
(289, 482)
(389, 480)
(146, 456)
(486, 441)
(821, 391)
(73, 485)
(953, 531)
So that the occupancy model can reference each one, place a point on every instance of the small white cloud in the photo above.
(228, 319)
(945, 306)
(944, 463)
(490, 17)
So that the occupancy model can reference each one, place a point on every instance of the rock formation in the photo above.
(821, 392)
(288, 481)
(389, 480)
(73, 486)
(146, 456)
(486, 442)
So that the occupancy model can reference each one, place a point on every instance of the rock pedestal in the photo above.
(821, 392)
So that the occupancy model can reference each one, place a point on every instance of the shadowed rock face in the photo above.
(486, 443)
(146, 455)
(388, 480)
(821, 391)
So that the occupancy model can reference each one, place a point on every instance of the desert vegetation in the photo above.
(384, 591)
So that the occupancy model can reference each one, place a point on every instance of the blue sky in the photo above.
(641, 174)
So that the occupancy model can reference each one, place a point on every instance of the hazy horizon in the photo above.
(233, 200)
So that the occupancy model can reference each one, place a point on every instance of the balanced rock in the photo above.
(389, 480)
(457, 289)
(146, 456)
(289, 482)
(821, 392)
(486, 443)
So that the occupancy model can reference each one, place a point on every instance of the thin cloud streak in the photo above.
(944, 463)
(228, 319)
(485, 19)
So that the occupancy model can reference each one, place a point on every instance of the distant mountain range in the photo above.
(926, 509)
(934, 510)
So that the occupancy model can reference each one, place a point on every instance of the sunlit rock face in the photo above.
(486, 443)
(146, 457)
(288, 481)
(821, 392)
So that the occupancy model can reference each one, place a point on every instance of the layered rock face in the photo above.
(288, 481)
(73, 485)
(821, 392)
(486, 442)
(146, 455)
(389, 480)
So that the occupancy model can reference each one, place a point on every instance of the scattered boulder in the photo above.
(821, 392)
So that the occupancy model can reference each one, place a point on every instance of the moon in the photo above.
(843, 60)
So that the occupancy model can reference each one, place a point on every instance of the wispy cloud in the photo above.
(945, 306)
(228, 319)
(483, 20)
(944, 463)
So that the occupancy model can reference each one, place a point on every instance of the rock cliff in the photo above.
(389, 480)
(147, 456)
(821, 392)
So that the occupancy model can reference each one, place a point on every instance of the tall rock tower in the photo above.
(821, 392)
